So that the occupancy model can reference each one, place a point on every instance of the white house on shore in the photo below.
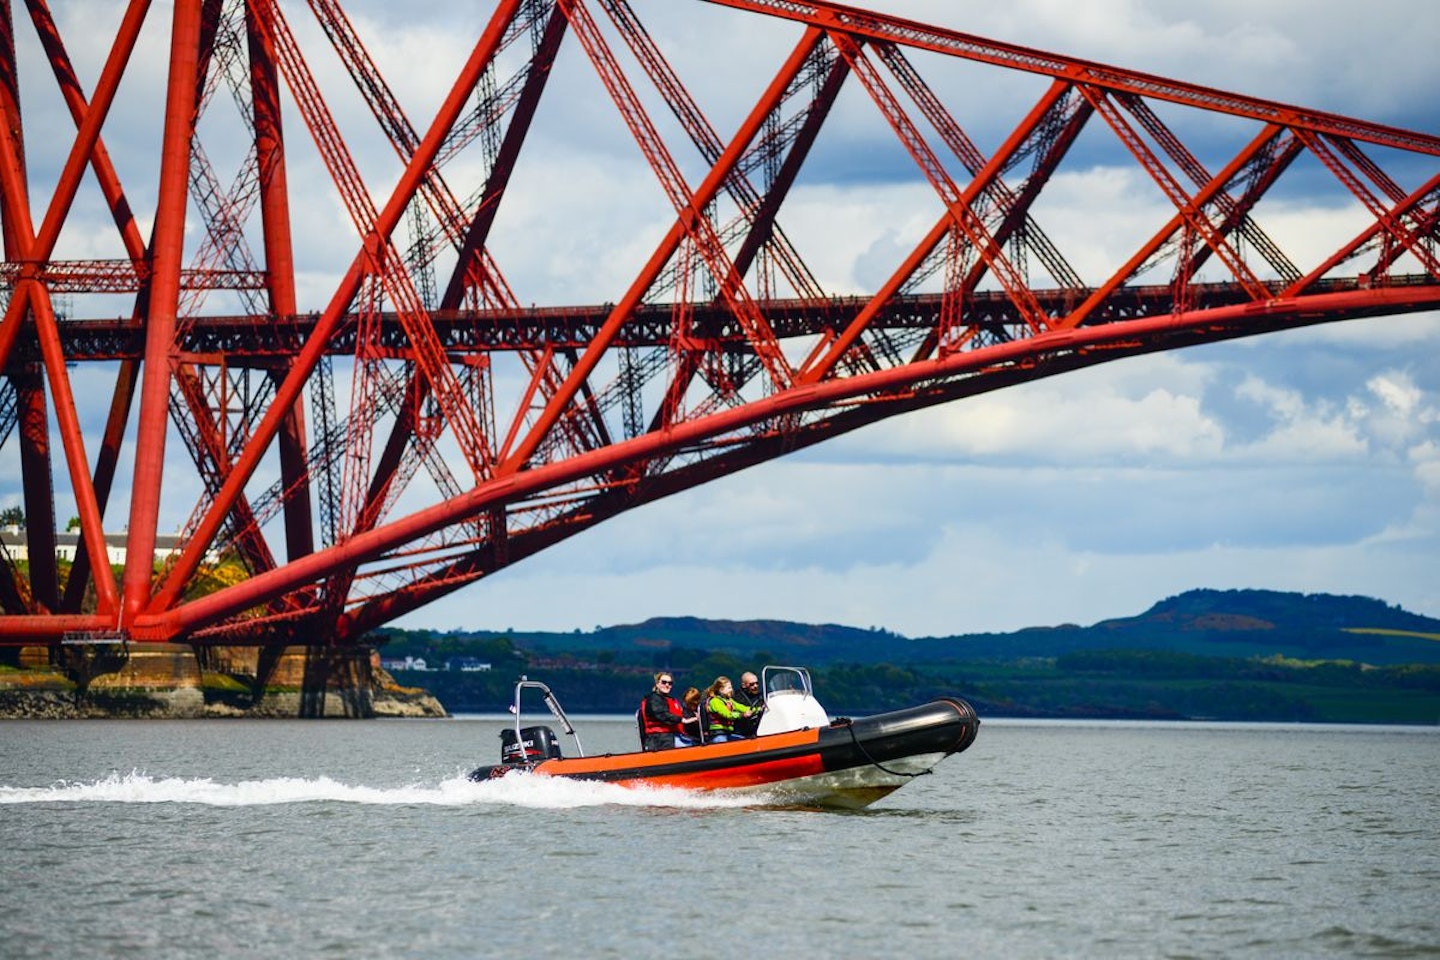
(462, 664)
(17, 546)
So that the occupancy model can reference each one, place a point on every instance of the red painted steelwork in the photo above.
(511, 488)
(404, 448)
(863, 24)
(167, 251)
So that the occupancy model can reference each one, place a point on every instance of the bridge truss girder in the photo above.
(474, 431)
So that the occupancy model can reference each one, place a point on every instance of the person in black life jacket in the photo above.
(660, 715)
(749, 696)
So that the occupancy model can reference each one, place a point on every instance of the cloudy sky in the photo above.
(1306, 461)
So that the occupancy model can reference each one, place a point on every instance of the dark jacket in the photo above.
(690, 729)
(659, 717)
(747, 726)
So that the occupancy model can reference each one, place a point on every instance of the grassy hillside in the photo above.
(1229, 623)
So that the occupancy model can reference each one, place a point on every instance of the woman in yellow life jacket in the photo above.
(721, 711)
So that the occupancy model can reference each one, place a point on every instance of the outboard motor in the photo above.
(534, 744)
(523, 747)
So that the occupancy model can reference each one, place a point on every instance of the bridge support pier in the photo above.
(179, 681)
(303, 681)
(139, 679)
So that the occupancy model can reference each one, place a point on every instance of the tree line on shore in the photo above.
(1079, 684)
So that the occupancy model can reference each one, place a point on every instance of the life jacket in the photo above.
(721, 714)
(650, 725)
(702, 718)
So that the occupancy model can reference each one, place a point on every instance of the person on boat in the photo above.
(721, 712)
(749, 695)
(690, 733)
(660, 715)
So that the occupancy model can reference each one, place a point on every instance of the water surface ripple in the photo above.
(271, 838)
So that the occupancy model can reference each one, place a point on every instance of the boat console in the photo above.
(790, 702)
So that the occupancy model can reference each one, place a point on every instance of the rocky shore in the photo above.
(176, 681)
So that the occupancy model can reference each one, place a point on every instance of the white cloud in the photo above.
(1081, 418)
(1304, 431)
(1397, 393)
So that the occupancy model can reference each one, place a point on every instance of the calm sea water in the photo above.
(363, 839)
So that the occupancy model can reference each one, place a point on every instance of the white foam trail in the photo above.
(513, 790)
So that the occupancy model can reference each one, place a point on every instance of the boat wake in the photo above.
(512, 791)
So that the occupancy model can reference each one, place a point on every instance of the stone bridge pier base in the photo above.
(141, 679)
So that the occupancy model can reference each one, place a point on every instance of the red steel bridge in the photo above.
(271, 449)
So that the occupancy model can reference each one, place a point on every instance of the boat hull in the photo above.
(849, 764)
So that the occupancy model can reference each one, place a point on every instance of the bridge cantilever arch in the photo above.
(257, 303)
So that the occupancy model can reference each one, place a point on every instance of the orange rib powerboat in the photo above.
(800, 756)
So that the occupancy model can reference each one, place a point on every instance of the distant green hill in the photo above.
(1222, 654)
(1236, 623)
(1223, 623)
